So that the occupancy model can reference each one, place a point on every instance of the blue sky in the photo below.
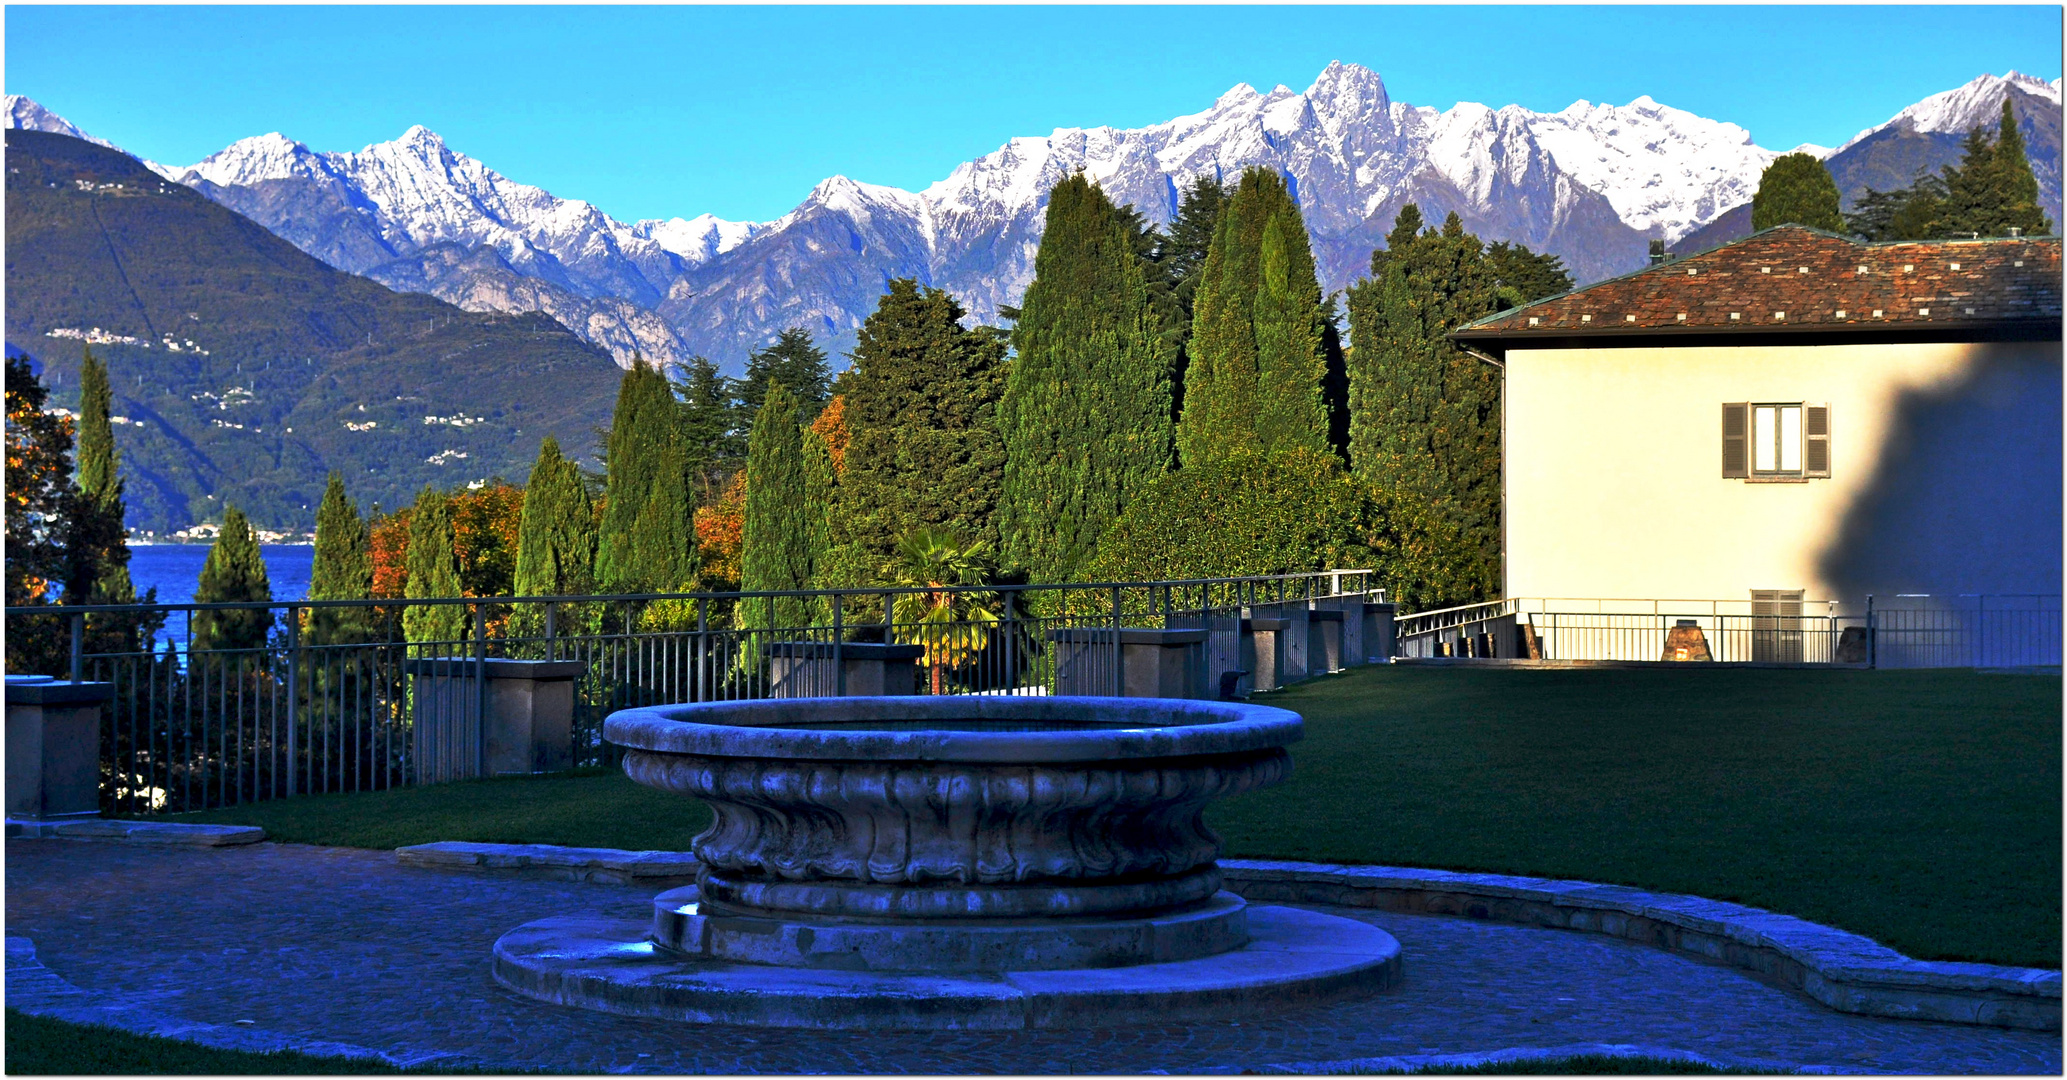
(738, 111)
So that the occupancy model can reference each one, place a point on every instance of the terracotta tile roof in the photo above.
(1795, 278)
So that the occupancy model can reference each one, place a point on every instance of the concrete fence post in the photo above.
(53, 751)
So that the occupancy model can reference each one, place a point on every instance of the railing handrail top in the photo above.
(871, 590)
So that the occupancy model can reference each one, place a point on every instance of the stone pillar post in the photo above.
(1351, 608)
(1262, 638)
(53, 750)
(1378, 632)
(526, 718)
(804, 669)
(1153, 663)
(1323, 640)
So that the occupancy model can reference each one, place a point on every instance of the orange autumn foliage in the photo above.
(831, 426)
(484, 537)
(720, 534)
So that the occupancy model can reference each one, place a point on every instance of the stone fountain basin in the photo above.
(960, 808)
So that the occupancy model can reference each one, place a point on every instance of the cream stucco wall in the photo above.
(1945, 472)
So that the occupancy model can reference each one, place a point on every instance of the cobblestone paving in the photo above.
(347, 946)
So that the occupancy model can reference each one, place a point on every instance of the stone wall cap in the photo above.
(42, 690)
(1377, 609)
(1250, 626)
(1129, 635)
(1085, 728)
(497, 668)
(851, 650)
(1325, 614)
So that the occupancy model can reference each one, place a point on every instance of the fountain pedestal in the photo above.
(952, 862)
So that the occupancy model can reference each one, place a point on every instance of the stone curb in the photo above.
(1521, 664)
(605, 865)
(138, 832)
(38, 991)
(1845, 971)
(1409, 1063)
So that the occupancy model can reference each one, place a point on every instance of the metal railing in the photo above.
(1907, 631)
(1985, 631)
(325, 696)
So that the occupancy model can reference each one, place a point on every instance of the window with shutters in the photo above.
(1776, 440)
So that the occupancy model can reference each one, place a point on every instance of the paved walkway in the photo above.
(322, 945)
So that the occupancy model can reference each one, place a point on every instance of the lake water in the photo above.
(176, 569)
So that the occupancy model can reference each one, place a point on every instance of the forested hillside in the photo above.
(243, 370)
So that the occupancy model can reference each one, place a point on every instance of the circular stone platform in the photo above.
(1293, 958)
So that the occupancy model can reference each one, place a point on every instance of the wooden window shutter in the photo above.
(1815, 440)
(1736, 440)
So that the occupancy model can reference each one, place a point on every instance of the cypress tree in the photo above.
(647, 539)
(1085, 416)
(1190, 237)
(342, 570)
(1289, 365)
(797, 365)
(1796, 189)
(1224, 386)
(921, 411)
(433, 573)
(1424, 415)
(98, 546)
(556, 536)
(783, 535)
(234, 573)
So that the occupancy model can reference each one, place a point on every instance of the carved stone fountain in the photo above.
(953, 862)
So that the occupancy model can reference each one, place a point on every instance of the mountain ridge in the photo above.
(1592, 183)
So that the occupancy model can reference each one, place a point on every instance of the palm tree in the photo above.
(953, 626)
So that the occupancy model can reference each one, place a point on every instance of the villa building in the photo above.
(1794, 416)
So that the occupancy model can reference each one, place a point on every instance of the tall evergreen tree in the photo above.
(783, 535)
(921, 410)
(795, 363)
(647, 540)
(234, 573)
(1224, 387)
(1085, 416)
(99, 543)
(1289, 358)
(713, 426)
(433, 573)
(1992, 190)
(556, 537)
(1796, 189)
(1521, 276)
(1190, 237)
(342, 570)
(556, 545)
(1424, 415)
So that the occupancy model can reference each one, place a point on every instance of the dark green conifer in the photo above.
(647, 540)
(783, 534)
(921, 410)
(1289, 362)
(98, 546)
(1992, 190)
(1085, 417)
(1796, 189)
(1223, 380)
(1190, 237)
(794, 362)
(1424, 415)
(234, 573)
(342, 570)
(433, 572)
(713, 426)
(556, 535)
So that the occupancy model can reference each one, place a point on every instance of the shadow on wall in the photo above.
(1966, 495)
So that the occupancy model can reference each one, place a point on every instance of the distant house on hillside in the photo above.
(1794, 416)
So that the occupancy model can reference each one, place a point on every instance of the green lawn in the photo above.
(1921, 809)
(41, 1046)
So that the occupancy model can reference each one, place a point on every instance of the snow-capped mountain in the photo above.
(1960, 110)
(414, 214)
(1925, 137)
(1591, 183)
(28, 116)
